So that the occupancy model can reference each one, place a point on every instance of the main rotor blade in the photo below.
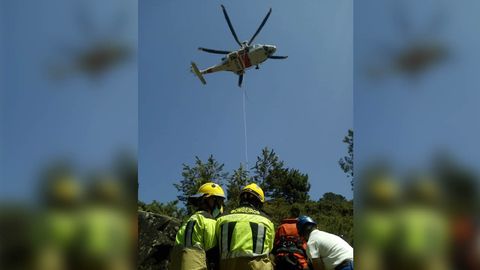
(260, 27)
(277, 57)
(240, 80)
(230, 26)
(213, 51)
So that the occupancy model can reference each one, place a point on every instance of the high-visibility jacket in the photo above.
(58, 229)
(422, 234)
(244, 232)
(105, 233)
(198, 231)
(194, 238)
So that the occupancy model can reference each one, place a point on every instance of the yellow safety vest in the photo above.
(244, 232)
(198, 231)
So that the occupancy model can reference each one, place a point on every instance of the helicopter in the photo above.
(238, 61)
(100, 54)
(422, 52)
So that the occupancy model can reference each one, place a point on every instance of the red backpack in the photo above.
(289, 248)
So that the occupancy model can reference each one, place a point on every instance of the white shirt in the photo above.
(332, 249)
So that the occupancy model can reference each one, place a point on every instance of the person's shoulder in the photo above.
(316, 234)
(204, 214)
(289, 221)
(245, 210)
(249, 211)
(325, 238)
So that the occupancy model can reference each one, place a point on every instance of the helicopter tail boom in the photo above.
(198, 73)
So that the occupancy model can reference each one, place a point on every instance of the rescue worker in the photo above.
(196, 241)
(245, 235)
(104, 236)
(57, 228)
(379, 207)
(421, 238)
(326, 251)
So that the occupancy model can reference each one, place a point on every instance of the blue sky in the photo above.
(84, 120)
(408, 120)
(301, 107)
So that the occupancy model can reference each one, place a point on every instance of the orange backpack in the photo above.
(289, 248)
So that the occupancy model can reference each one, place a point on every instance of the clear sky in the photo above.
(301, 107)
(406, 119)
(84, 120)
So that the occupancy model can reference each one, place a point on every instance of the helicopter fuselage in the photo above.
(240, 60)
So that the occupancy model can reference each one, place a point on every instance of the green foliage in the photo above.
(337, 215)
(236, 182)
(279, 209)
(198, 174)
(277, 181)
(332, 212)
(284, 188)
(267, 163)
(170, 209)
(290, 184)
(346, 163)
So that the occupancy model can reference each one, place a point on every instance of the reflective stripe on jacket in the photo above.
(245, 232)
(198, 231)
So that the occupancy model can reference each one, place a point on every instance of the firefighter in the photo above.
(245, 235)
(195, 241)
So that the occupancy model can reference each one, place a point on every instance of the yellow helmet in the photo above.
(209, 189)
(65, 189)
(255, 190)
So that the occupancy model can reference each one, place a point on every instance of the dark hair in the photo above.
(250, 199)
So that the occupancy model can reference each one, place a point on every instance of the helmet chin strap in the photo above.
(217, 211)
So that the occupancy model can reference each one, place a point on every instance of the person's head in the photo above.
(380, 191)
(104, 189)
(305, 225)
(252, 195)
(60, 188)
(209, 197)
(421, 189)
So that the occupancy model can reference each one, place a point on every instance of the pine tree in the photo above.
(235, 183)
(346, 163)
(198, 174)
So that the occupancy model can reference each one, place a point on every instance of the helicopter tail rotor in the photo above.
(197, 72)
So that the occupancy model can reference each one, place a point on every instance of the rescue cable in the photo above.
(245, 126)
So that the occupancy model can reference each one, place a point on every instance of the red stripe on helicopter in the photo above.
(246, 60)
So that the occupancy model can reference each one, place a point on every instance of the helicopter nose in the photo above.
(270, 49)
